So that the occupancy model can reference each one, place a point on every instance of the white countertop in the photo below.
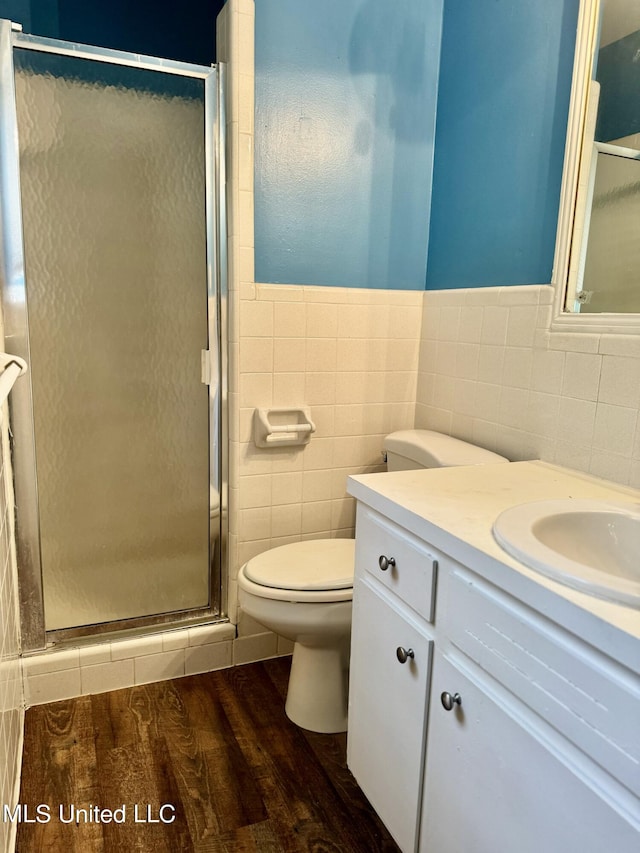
(453, 509)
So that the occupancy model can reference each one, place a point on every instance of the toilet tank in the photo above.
(423, 448)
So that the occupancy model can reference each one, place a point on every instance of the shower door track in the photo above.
(27, 535)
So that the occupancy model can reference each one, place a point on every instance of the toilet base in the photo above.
(317, 696)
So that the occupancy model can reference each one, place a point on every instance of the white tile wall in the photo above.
(351, 355)
(359, 378)
(566, 398)
(11, 695)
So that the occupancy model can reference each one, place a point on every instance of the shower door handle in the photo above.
(205, 366)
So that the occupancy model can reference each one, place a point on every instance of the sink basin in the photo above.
(593, 546)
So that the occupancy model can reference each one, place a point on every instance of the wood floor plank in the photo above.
(271, 746)
(219, 748)
(61, 772)
(134, 757)
(303, 802)
(218, 789)
(257, 838)
(125, 718)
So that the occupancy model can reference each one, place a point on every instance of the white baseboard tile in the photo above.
(57, 674)
(66, 673)
(103, 677)
(51, 686)
(208, 657)
(255, 648)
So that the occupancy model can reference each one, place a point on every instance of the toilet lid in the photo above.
(315, 564)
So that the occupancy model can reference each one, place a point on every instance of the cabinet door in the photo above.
(387, 708)
(492, 785)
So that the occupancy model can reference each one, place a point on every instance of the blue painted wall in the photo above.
(345, 111)
(503, 100)
(618, 73)
(18, 11)
(155, 27)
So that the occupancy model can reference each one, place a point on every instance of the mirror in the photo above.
(604, 251)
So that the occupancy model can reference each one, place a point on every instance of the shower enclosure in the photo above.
(113, 262)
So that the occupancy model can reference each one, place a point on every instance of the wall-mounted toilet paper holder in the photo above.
(284, 426)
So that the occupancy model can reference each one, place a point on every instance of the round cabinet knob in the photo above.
(385, 562)
(448, 701)
(404, 654)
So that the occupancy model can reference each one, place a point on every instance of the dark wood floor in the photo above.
(218, 747)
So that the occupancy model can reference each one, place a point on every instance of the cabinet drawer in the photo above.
(411, 571)
(590, 700)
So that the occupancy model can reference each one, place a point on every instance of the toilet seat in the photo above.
(318, 570)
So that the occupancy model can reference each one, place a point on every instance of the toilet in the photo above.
(303, 591)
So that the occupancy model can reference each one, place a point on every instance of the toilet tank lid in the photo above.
(436, 450)
(316, 564)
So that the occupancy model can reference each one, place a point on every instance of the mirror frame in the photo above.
(576, 164)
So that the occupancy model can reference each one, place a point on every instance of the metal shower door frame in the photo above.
(16, 322)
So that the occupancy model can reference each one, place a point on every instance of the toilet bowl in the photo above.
(303, 591)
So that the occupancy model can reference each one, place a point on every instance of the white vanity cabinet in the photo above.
(538, 747)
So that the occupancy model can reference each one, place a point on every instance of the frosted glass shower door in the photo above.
(112, 170)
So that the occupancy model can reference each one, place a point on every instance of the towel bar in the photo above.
(13, 366)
